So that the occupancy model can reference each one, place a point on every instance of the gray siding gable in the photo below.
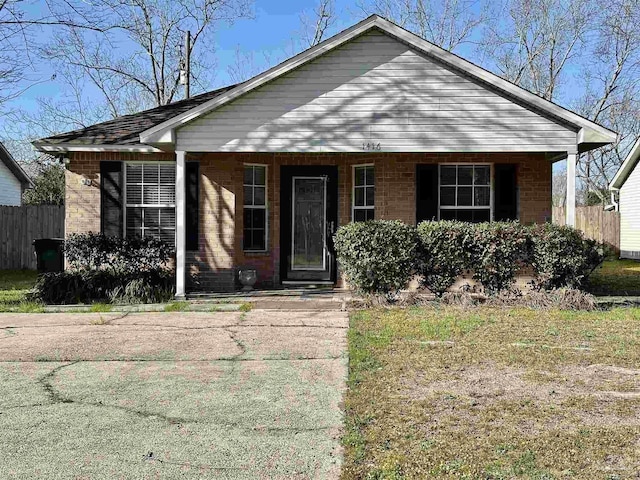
(375, 93)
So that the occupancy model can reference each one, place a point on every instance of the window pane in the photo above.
(168, 174)
(465, 175)
(150, 173)
(134, 194)
(168, 218)
(134, 217)
(464, 215)
(248, 175)
(151, 217)
(370, 200)
(359, 197)
(481, 216)
(259, 220)
(168, 236)
(448, 196)
(370, 214)
(248, 218)
(369, 176)
(360, 176)
(259, 239)
(167, 194)
(447, 214)
(134, 173)
(150, 195)
(259, 174)
(447, 175)
(482, 175)
(465, 196)
(482, 196)
(258, 196)
(248, 195)
(359, 215)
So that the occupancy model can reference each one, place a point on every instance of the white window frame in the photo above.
(353, 190)
(144, 205)
(264, 207)
(455, 207)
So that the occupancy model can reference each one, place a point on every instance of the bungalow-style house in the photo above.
(374, 122)
(13, 179)
(627, 183)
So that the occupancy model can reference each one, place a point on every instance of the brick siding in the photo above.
(214, 265)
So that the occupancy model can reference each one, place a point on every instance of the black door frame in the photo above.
(287, 172)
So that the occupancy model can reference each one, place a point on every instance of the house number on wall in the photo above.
(371, 146)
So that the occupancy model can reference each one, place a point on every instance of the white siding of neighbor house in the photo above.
(10, 187)
(630, 216)
(376, 90)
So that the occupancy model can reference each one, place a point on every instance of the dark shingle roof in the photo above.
(126, 130)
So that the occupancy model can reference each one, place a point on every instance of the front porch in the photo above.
(246, 206)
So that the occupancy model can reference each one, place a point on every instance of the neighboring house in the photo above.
(13, 179)
(627, 184)
(375, 122)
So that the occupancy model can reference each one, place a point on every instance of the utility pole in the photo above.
(185, 73)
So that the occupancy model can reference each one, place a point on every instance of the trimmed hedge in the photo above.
(105, 268)
(86, 286)
(378, 256)
(96, 251)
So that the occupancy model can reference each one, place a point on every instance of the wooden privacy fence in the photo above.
(595, 223)
(20, 226)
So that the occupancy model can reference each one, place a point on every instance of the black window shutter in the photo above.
(426, 192)
(506, 193)
(193, 205)
(111, 198)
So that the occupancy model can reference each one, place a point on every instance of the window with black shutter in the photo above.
(150, 200)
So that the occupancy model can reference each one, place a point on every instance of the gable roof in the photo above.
(122, 131)
(14, 167)
(627, 167)
(156, 128)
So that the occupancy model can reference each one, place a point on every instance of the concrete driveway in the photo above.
(172, 395)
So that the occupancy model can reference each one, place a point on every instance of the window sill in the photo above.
(256, 253)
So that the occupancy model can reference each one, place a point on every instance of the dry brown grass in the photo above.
(493, 393)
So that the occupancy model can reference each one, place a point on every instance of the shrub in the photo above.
(497, 251)
(562, 257)
(86, 286)
(444, 253)
(94, 251)
(377, 257)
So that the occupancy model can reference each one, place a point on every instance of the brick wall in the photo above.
(213, 266)
(82, 202)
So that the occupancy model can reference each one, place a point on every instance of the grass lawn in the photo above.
(616, 277)
(493, 394)
(14, 285)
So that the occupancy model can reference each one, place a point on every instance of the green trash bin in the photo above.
(49, 254)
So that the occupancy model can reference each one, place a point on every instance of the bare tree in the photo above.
(612, 94)
(134, 60)
(316, 26)
(446, 23)
(533, 42)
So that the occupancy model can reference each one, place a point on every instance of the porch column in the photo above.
(181, 213)
(571, 190)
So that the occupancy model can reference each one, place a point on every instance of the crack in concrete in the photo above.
(213, 327)
(208, 360)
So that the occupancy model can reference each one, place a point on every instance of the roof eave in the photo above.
(626, 168)
(15, 168)
(53, 148)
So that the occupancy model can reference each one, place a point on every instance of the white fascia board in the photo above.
(626, 168)
(66, 147)
(589, 129)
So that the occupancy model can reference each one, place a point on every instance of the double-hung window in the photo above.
(465, 193)
(363, 193)
(150, 200)
(255, 208)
